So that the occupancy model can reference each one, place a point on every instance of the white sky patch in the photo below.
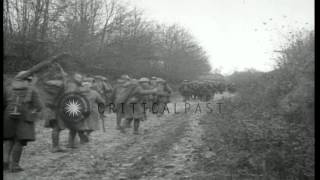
(236, 34)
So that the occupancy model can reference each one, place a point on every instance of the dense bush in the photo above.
(269, 126)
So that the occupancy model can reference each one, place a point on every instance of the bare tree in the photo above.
(109, 34)
(109, 16)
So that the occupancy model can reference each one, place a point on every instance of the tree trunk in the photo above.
(24, 27)
(110, 12)
(45, 20)
(37, 13)
(9, 19)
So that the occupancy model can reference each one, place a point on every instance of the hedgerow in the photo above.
(267, 129)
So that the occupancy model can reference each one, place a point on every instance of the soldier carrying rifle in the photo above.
(22, 104)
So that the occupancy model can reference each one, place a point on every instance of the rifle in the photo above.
(42, 64)
(102, 116)
(101, 109)
(28, 97)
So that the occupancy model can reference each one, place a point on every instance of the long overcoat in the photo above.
(54, 89)
(128, 99)
(92, 122)
(21, 127)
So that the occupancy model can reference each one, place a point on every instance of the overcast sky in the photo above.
(236, 34)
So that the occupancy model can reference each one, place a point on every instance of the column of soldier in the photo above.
(74, 102)
(203, 90)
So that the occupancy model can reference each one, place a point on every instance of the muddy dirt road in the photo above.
(164, 149)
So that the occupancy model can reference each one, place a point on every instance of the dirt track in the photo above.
(164, 149)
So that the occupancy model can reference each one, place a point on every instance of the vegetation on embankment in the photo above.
(267, 130)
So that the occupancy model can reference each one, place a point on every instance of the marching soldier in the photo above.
(147, 99)
(118, 96)
(90, 123)
(55, 88)
(163, 95)
(153, 81)
(144, 83)
(185, 90)
(128, 98)
(133, 105)
(101, 85)
(22, 105)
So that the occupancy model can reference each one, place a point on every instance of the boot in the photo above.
(5, 166)
(144, 117)
(55, 141)
(128, 123)
(118, 122)
(15, 157)
(72, 135)
(136, 124)
(7, 147)
(83, 137)
(122, 130)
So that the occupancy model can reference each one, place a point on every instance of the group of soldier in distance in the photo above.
(203, 90)
(78, 102)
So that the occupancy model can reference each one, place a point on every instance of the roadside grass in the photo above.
(246, 141)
